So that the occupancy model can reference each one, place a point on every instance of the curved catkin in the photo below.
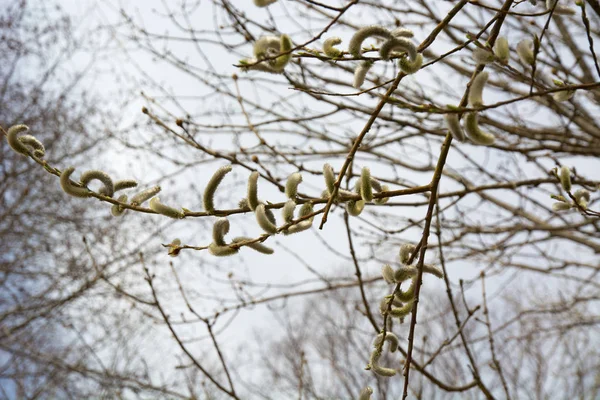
(365, 394)
(476, 135)
(565, 178)
(355, 45)
(406, 251)
(329, 176)
(560, 206)
(355, 207)
(402, 32)
(141, 197)
(433, 270)
(360, 73)
(291, 186)
(409, 294)
(525, 52)
(88, 176)
(263, 220)
(403, 273)
(410, 67)
(582, 194)
(65, 184)
(288, 211)
(388, 273)
(253, 191)
(220, 229)
(261, 248)
(502, 50)
(402, 312)
(13, 138)
(285, 46)
(211, 188)
(221, 251)
(116, 210)
(328, 48)
(483, 56)
(476, 91)
(391, 338)
(366, 190)
(266, 46)
(378, 369)
(31, 141)
(124, 184)
(453, 125)
(263, 3)
(398, 44)
(382, 200)
(158, 207)
(306, 209)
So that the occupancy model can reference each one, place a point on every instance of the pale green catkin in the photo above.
(502, 50)
(261, 248)
(141, 197)
(252, 192)
(378, 369)
(355, 44)
(291, 186)
(329, 176)
(220, 229)
(69, 188)
(366, 189)
(410, 67)
(30, 141)
(365, 394)
(453, 125)
(395, 44)
(158, 207)
(13, 138)
(108, 189)
(405, 253)
(474, 133)
(565, 178)
(263, 220)
(328, 48)
(288, 211)
(117, 210)
(391, 338)
(221, 251)
(476, 91)
(211, 188)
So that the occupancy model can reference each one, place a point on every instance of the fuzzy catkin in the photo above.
(30, 141)
(253, 191)
(565, 178)
(474, 133)
(328, 48)
(13, 138)
(453, 125)
(410, 67)
(220, 229)
(355, 44)
(291, 186)
(525, 52)
(502, 50)
(366, 190)
(158, 207)
(476, 91)
(398, 44)
(263, 221)
(141, 197)
(360, 73)
(108, 189)
(211, 188)
(69, 188)
(256, 246)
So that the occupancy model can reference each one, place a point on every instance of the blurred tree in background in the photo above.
(509, 220)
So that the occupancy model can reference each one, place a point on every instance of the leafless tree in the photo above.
(228, 86)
